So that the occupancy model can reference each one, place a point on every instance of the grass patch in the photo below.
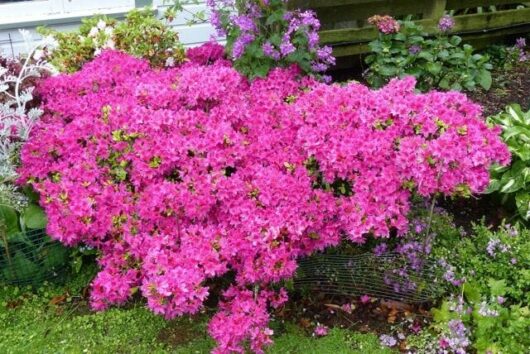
(56, 319)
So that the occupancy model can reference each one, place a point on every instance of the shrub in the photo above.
(513, 182)
(141, 34)
(183, 175)
(403, 48)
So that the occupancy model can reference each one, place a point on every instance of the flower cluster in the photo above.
(446, 23)
(264, 34)
(385, 24)
(206, 54)
(184, 175)
(520, 48)
(457, 341)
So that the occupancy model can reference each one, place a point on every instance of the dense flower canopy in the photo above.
(187, 174)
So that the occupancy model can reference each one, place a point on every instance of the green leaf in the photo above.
(455, 40)
(262, 70)
(20, 268)
(434, 68)
(425, 55)
(443, 314)
(387, 70)
(510, 184)
(497, 287)
(34, 217)
(494, 186)
(484, 79)
(9, 217)
(54, 255)
(522, 201)
(472, 292)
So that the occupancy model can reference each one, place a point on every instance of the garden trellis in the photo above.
(344, 24)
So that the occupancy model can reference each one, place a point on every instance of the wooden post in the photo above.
(435, 9)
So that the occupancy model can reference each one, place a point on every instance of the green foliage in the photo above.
(27, 255)
(140, 34)
(513, 182)
(496, 296)
(178, 6)
(441, 62)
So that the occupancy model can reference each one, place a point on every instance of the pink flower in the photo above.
(321, 331)
(385, 24)
(365, 299)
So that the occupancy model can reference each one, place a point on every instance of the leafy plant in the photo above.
(22, 251)
(403, 48)
(263, 35)
(141, 34)
(513, 182)
(493, 301)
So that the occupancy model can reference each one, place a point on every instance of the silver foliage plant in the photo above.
(16, 119)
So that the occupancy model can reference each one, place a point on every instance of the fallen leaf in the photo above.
(57, 299)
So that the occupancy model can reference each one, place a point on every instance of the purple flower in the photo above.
(380, 249)
(270, 51)
(240, 45)
(458, 340)
(388, 341)
(287, 48)
(414, 49)
(520, 43)
(492, 246)
(485, 311)
(245, 23)
(446, 23)
(501, 300)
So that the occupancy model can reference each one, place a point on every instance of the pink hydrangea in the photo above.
(184, 175)
(385, 24)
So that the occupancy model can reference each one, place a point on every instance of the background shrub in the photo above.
(141, 34)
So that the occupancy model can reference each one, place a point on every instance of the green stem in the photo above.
(429, 223)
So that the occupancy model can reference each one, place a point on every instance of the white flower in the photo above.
(109, 31)
(50, 42)
(93, 32)
(110, 44)
(97, 52)
(101, 24)
(38, 54)
(170, 62)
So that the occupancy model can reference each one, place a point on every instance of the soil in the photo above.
(469, 211)
(509, 86)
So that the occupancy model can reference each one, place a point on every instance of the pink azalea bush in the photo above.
(184, 175)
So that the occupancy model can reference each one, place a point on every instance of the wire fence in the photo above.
(391, 276)
(30, 258)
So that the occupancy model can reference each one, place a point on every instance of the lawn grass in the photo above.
(55, 320)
